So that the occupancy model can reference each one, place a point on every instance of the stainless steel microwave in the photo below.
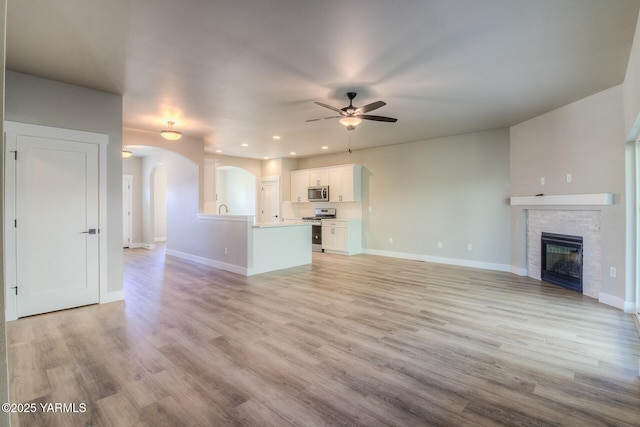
(318, 194)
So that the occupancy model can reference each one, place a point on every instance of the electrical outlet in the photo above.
(370, 208)
(613, 272)
(569, 177)
(391, 240)
(439, 245)
(542, 180)
(225, 251)
(469, 247)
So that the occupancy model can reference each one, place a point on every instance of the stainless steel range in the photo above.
(316, 226)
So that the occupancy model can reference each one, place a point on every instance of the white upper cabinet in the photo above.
(318, 177)
(345, 182)
(299, 185)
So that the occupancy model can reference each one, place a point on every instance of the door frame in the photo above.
(634, 201)
(11, 132)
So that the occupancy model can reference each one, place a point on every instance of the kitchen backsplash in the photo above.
(344, 210)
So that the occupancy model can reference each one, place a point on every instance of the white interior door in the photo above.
(270, 200)
(127, 202)
(57, 217)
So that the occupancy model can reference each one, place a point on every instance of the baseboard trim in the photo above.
(629, 307)
(134, 246)
(210, 262)
(441, 260)
(148, 246)
(616, 302)
(160, 239)
(112, 297)
(519, 271)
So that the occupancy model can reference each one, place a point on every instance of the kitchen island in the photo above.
(235, 243)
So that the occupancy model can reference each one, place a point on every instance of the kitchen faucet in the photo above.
(226, 208)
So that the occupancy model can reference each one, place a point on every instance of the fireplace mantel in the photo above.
(596, 199)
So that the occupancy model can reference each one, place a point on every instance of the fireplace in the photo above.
(561, 262)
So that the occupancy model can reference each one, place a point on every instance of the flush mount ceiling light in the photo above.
(171, 134)
(126, 153)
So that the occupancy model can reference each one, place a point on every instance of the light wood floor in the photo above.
(358, 340)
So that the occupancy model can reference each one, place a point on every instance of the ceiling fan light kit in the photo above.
(350, 122)
(351, 116)
(171, 134)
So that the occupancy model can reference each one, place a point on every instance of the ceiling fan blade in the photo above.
(324, 118)
(372, 106)
(337, 110)
(377, 118)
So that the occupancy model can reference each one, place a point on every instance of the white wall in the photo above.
(631, 89)
(159, 196)
(631, 99)
(46, 102)
(452, 189)
(585, 138)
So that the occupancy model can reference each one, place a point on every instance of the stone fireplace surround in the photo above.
(585, 223)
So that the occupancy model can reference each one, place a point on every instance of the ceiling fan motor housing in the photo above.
(355, 112)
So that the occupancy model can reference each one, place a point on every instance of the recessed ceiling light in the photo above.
(266, 158)
(218, 151)
(245, 145)
(293, 153)
(276, 137)
(324, 147)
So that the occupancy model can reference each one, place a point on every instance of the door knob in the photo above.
(90, 231)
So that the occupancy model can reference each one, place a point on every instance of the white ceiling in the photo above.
(241, 71)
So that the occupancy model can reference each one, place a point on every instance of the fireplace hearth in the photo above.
(561, 262)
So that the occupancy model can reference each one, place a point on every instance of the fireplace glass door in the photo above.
(562, 260)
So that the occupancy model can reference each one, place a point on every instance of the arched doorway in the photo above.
(235, 191)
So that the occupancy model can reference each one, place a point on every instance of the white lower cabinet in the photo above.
(341, 236)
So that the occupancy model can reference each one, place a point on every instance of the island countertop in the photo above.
(293, 222)
(286, 223)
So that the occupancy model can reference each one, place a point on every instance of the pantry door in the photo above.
(57, 223)
(270, 200)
